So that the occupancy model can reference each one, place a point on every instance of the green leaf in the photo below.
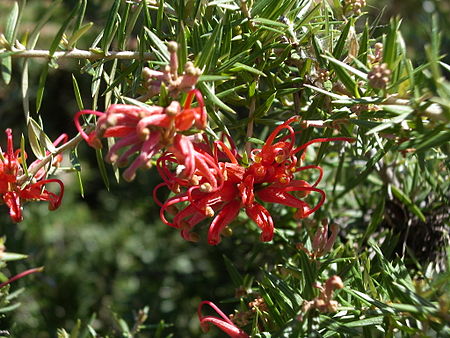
(54, 45)
(323, 91)
(377, 217)
(210, 96)
(159, 47)
(6, 61)
(41, 87)
(77, 166)
(76, 90)
(102, 167)
(388, 124)
(11, 256)
(80, 16)
(212, 78)
(37, 29)
(238, 67)
(339, 47)
(9, 308)
(203, 59)
(346, 79)
(364, 45)
(427, 141)
(351, 69)
(366, 299)
(264, 108)
(236, 277)
(407, 201)
(270, 22)
(39, 141)
(110, 26)
(390, 44)
(318, 51)
(78, 34)
(368, 169)
(11, 23)
(366, 322)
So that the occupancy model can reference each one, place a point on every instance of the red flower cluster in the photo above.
(220, 187)
(13, 192)
(146, 131)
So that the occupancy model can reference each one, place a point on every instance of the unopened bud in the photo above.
(173, 109)
(335, 282)
(379, 76)
(172, 47)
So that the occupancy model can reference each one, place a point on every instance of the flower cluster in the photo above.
(146, 130)
(174, 82)
(207, 180)
(14, 190)
(220, 186)
(324, 302)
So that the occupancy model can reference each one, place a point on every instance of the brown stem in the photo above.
(79, 54)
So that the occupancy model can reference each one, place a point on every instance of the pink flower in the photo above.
(222, 322)
(14, 193)
(146, 131)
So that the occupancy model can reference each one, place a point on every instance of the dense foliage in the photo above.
(369, 259)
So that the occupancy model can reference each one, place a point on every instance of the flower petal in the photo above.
(262, 218)
(225, 217)
(12, 200)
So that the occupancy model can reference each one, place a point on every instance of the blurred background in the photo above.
(107, 253)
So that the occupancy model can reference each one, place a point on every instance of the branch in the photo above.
(66, 146)
(79, 54)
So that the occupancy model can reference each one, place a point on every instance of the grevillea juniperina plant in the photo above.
(238, 125)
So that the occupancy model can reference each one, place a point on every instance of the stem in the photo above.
(80, 54)
(66, 146)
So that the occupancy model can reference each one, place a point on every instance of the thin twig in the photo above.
(79, 54)
(66, 146)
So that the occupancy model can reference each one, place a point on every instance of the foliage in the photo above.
(262, 62)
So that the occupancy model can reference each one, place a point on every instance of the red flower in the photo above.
(14, 193)
(146, 131)
(222, 188)
(222, 322)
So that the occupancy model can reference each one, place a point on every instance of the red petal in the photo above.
(262, 218)
(225, 217)
(12, 200)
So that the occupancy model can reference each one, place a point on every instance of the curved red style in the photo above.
(222, 322)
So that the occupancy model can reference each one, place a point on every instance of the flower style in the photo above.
(21, 275)
(146, 131)
(14, 193)
(270, 178)
(222, 322)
